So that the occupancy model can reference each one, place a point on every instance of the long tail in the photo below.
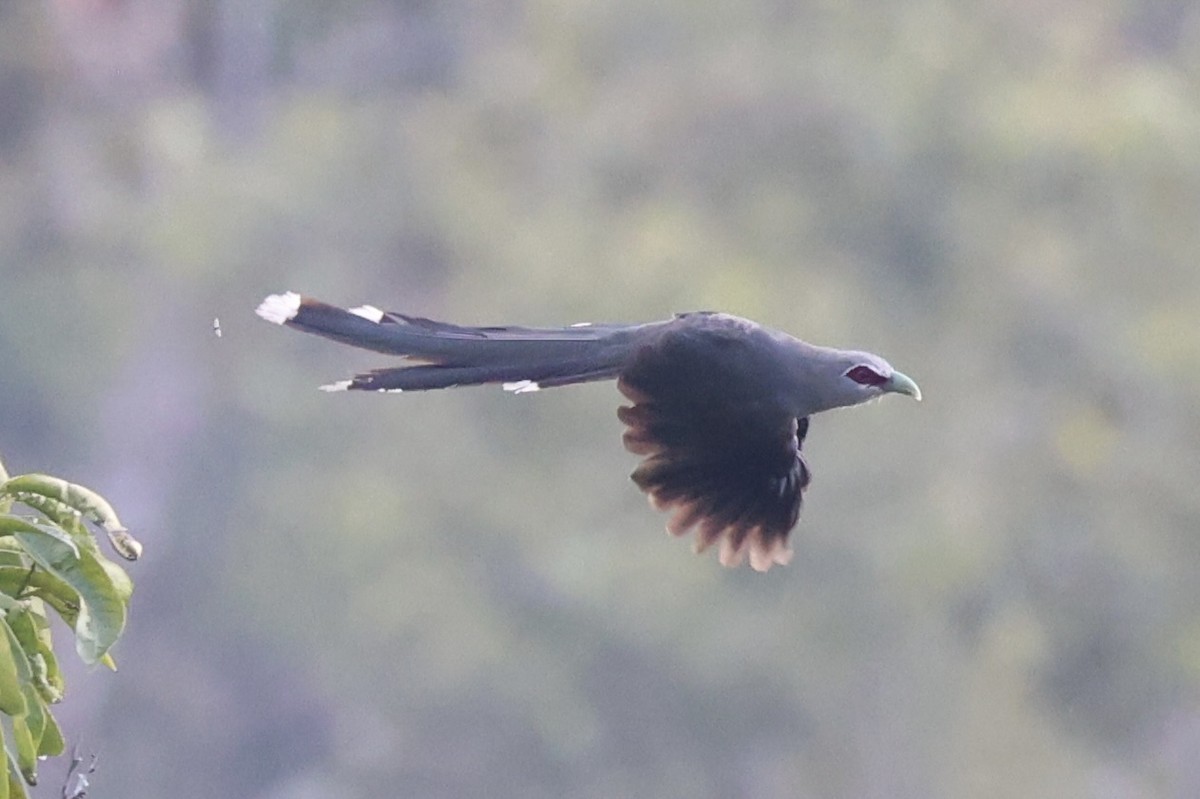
(522, 358)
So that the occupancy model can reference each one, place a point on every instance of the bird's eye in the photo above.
(865, 375)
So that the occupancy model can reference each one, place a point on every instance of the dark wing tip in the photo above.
(744, 539)
(744, 493)
(762, 548)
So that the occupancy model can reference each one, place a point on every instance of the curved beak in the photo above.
(900, 383)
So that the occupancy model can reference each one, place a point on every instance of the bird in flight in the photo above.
(719, 404)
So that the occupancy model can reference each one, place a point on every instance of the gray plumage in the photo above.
(721, 405)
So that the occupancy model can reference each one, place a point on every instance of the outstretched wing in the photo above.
(722, 451)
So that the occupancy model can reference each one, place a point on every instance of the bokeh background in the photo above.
(460, 594)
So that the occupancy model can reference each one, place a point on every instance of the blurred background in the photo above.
(461, 594)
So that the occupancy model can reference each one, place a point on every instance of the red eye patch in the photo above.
(866, 376)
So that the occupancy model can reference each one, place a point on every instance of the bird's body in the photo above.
(720, 406)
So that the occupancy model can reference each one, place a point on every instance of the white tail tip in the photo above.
(279, 308)
(340, 385)
(368, 312)
(522, 386)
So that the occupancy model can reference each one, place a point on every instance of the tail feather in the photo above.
(522, 358)
(518, 378)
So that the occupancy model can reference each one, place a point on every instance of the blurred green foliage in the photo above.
(460, 594)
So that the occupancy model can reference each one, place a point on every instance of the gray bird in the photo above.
(720, 404)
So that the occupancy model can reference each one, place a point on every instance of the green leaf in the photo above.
(26, 749)
(78, 499)
(10, 787)
(101, 613)
(12, 525)
(125, 544)
(20, 621)
(67, 609)
(16, 788)
(52, 740)
(35, 719)
(62, 515)
(41, 587)
(47, 677)
(14, 579)
(81, 499)
(120, 579)
(28, 636)
(12, 700)
(28, 726)
(20, 656)
(42, 682)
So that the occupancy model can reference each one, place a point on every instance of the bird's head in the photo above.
(860, 376)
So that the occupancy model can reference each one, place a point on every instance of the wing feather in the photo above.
(719, 453)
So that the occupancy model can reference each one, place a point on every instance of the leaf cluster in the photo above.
(50, 562)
